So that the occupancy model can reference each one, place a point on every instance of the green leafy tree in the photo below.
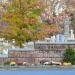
(69, 55)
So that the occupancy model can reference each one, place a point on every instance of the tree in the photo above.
(70, 5)
(69, 55)
(46, 31)
(24, 23)
(22, 18)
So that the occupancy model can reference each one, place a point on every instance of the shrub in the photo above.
(69, 55)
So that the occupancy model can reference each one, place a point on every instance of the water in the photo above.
(40, 72)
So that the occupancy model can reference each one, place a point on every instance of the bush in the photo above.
(69, 56)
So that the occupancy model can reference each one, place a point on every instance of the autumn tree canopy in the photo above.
(22, 18)
(24, 22)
